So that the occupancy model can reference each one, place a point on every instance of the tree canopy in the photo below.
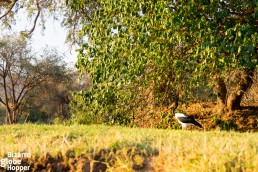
(160, 51)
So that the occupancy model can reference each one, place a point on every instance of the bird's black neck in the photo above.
(174, 108)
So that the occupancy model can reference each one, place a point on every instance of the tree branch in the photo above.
(2, 101)
(9, 10)
(27, 33)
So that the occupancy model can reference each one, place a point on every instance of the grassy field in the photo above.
(106, 148)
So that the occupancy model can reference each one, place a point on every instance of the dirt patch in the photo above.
(61, 163)
(213, 118)
(207, 114)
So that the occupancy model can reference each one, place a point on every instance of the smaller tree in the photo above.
(20, 73)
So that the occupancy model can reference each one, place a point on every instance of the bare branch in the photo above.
(27, 33)
(2, 101)
(9, 10)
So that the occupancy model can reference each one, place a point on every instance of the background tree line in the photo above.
(143, 55)
(33, 88)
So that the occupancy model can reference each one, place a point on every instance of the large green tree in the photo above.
(165, 50)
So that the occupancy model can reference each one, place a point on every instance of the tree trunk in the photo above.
(8, 116)
(11, 116)
(14, 117)
(245, 82)
(221, 91)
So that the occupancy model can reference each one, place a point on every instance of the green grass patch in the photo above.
(114, 148)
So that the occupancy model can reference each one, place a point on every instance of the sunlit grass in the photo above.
(132, 149)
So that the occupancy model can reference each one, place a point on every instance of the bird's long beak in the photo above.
(173, 106)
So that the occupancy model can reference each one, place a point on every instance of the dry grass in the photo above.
(106, 148)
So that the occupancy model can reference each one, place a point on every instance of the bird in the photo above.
(183, 119)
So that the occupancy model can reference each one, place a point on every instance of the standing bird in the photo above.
(183, 119)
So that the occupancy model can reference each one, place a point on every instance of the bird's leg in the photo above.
(170, 116)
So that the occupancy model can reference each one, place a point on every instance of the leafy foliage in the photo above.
(130, 60)
(143, 54)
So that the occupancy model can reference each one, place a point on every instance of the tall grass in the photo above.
(99, 147)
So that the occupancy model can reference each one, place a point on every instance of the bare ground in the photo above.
(244, 120)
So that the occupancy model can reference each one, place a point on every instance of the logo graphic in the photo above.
(13, 161)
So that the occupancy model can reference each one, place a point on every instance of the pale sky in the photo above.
(53, 36)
